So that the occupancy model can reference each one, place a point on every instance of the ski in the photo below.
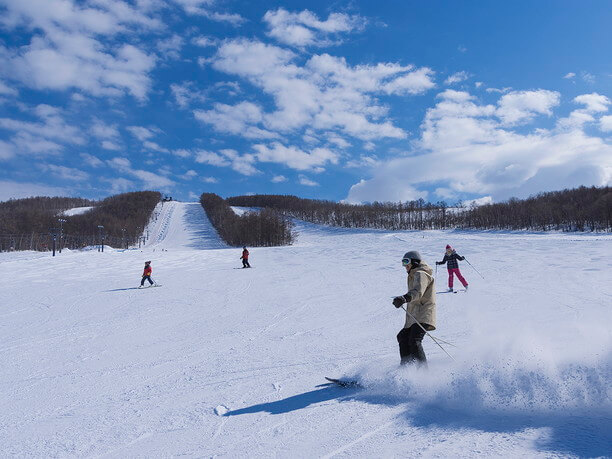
(344, 382)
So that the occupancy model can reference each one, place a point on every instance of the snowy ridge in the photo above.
(230, 362)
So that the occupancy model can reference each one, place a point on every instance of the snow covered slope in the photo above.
(229, 362)
(182, 226)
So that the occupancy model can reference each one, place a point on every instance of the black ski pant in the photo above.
(146, 278)
(245, 263)
(410, 346)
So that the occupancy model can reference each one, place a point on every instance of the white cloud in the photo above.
(72, 46)
(456, 78)
(465, 149)
(27, 143)
(171, 47)
(587, 77)
(51, 126)
(210, 157)
(605, 123)
(148, 145)
(594, 102)
(185, 93)
(17, 190)
(142, 133)
(118, 184)
(7, 90)
(110, 145)
(204, 41)
(91, 160)
(181, 153)
(303, 180)
(148, 179)
(478, 201)
(522, 106)
(102, 130)
(337, 140)
(363, 161)
(569, 76)
(498, 90)
(7, 150)
(324, 94)
(189, 175)
(205, 8)
(243, 164)
(279, 179)
(64, 173)
(236, 119)
(209, 180)
(306, 29)
(295, 158)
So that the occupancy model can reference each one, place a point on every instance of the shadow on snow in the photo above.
(297, 402)
(204, 235)
(582, 434)
(579, 433)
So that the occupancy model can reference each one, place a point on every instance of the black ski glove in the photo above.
(438, 262)
(398, 301)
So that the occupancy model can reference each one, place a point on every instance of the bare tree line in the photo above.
(580, 209)
(255, 229)
(30, 224)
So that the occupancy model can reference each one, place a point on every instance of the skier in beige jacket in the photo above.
(421, 299)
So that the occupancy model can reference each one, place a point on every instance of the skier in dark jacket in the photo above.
(420, 308)
(245, 258)
(146, 274)
(451, 258)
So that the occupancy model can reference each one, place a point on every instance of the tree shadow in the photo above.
(203, 234)
(297, 402)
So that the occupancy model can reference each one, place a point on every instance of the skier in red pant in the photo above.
(453, 267)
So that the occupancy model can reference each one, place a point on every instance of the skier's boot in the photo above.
(450, 290)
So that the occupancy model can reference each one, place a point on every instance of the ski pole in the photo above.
(473, 267)
(435, 340)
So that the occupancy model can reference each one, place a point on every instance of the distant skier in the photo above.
(146, 274)
(453, 267)
(245, 258)
(421, 307)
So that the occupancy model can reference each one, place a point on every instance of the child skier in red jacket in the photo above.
(146, 274)
(245, 258)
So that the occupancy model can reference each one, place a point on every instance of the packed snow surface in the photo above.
(230, 362)
(76, 211)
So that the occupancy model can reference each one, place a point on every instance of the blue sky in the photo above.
(354, 101)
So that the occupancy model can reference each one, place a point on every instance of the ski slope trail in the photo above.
(182, 225)
(230, 362)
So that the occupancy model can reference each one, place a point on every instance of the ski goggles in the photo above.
(406, 261)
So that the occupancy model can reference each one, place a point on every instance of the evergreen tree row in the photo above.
(254, 229)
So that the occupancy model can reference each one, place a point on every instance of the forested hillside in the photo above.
(256, 229)
(580, 209)
(29, 224)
